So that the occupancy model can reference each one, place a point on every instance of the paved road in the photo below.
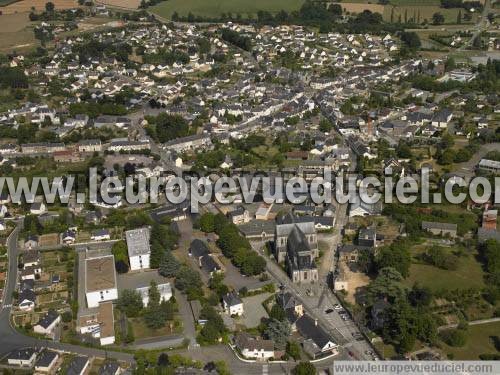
(481, 25)
(472, 323)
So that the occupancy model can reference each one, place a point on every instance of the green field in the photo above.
(7, 2)
(426, 12)
(479, 341)
(469, 274)
(214, 8)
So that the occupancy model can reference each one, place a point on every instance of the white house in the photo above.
(48, 323)
(100, 235)
(138, 248)
(46, 362)
(233, 305)
(251, 347)
(164, 289)
(38, 208)
(22, 357)
(100, 280)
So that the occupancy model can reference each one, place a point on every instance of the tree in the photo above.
(411, 39)
(397, 255)
(388, 284)
(120, 252)
(49, 7)
(293, 349)
(304, 368)
(153, 294)
(437, 18)
(130, 303)
(188, 281)
(325, 126)
(454, 337)
(207, 222)
(277, 313)
(278, 331)
(163, 360)
(67, 316)
(459, 16)
(169, 265)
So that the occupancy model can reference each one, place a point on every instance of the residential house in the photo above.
(317, 343)
(22, 357)
(232, 304)
(78, 366)
(442, 118)
(490, 219)
(46, 362)
(38, 208)
(491, 166)
(48, 323)
(440, 229)
(239, 215)
(110, 368)
(90, 145)
(100, 235)
(361, 208)
(254, 348)
(350, 253)
(293, 308)
(31, 242)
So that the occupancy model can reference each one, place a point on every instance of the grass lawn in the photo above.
(469, 274)
(479, 341)
(142, 331)
(214, 8)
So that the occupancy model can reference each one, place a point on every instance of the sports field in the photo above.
(214, 8)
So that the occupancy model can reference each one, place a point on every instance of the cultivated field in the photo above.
(214, 8)
(355, 7)
(421, 10)
(127, 4)
(15, 33)
(25, 5)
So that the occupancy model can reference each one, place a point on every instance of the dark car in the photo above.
(328, 311)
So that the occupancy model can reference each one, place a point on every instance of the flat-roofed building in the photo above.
(138, 248)
(107, 322)
(489, 166)
(164, 289)
(100, 280)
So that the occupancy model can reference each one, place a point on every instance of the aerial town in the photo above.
(141, 90)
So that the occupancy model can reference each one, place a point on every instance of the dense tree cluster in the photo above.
(165, 127)
(234, 245)
(235, 38)
(214, 328)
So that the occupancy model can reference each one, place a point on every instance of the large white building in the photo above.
(100, 280)
(138, 248)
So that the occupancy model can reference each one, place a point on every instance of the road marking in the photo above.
(7, 306)
(265, 369)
